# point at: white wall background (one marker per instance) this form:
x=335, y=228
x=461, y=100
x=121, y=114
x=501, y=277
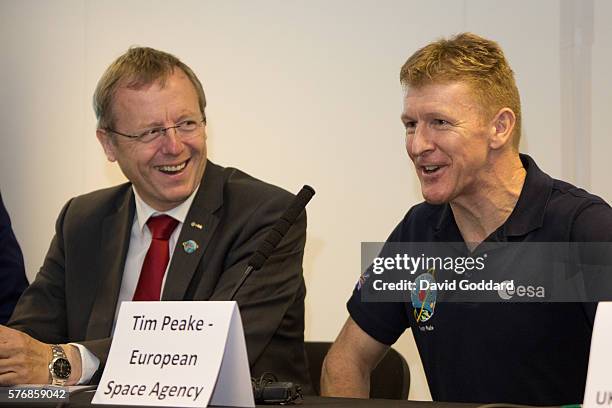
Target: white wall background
x=298, y=92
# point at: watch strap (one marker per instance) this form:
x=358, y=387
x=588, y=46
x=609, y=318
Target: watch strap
x=57, y=352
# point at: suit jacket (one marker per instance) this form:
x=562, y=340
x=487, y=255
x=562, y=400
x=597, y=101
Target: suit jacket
x=74, y=296
x=12, y=272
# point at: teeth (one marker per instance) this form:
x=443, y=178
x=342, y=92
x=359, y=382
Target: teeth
x=178, y=167
x=431, y=168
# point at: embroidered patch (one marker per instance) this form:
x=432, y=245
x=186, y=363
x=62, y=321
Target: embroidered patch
x=423, y=300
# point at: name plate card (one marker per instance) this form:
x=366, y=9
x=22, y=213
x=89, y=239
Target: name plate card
x=180, y=354
x=598, y=392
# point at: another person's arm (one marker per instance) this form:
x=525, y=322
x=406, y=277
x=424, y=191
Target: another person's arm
x=12, y=272
x=349, y=363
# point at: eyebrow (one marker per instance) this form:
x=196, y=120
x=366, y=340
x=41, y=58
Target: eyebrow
x=427, y=115
x=184, y=115
x=438, y=113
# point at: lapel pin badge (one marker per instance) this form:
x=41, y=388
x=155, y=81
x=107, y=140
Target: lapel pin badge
x=190, y=246
x=196, y=225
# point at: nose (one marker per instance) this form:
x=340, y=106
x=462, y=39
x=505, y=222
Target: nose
x=171, y=142
x=419, y=142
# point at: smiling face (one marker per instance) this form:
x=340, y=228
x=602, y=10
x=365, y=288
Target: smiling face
x=166, y=170
x=447, y=139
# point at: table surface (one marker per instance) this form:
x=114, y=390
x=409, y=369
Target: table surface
x=83, y=399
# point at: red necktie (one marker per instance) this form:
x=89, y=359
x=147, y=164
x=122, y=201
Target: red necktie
x=156, y=261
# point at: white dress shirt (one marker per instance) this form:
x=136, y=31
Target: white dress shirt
x=140, y=240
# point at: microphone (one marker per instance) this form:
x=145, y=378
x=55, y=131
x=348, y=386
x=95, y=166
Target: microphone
x=278, y=231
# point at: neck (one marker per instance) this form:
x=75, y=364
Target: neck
x=481, y=213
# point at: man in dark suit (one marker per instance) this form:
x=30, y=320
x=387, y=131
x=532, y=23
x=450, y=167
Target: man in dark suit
x=203, y=220
x=12, y=272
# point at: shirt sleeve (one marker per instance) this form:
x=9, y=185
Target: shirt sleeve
x=383, y=321
x=89, y=364
x=594, y=224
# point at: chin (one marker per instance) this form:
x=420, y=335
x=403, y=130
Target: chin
x=435, y=199
x=177, y=197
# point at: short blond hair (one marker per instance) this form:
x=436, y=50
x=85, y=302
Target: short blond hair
x=138, y=67
x=471, y=59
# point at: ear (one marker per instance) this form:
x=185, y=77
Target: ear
x=503, y=128
x=108, y=144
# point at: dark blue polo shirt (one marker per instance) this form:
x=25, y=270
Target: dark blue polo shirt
x=525, y=353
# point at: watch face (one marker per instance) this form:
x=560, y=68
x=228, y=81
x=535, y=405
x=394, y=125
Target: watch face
x=61, y=368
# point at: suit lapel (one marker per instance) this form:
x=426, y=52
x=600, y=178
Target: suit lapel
x=114, y=243
x=199, y=227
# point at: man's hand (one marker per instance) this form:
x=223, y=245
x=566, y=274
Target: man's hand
x=25, y=360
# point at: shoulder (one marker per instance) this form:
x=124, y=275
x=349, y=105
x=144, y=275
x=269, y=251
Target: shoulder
x=572, y=196
x=100, y=202
x=242, y=183
x=242, y=189
x=588, y=217
x=91, y=208
x=250, y=206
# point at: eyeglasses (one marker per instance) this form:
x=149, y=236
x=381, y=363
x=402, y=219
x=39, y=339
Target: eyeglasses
x=185, y=128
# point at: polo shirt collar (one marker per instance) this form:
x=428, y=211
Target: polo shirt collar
x=528, y=214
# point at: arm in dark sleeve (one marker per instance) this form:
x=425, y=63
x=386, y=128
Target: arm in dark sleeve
x=271, y=301
x=383, y=321
x=41, y=311
x=12, y=272
x=594, y=225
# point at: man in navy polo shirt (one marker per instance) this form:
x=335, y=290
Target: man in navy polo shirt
x=462, y=116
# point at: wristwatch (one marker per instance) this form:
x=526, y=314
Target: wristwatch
x=59, y=367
